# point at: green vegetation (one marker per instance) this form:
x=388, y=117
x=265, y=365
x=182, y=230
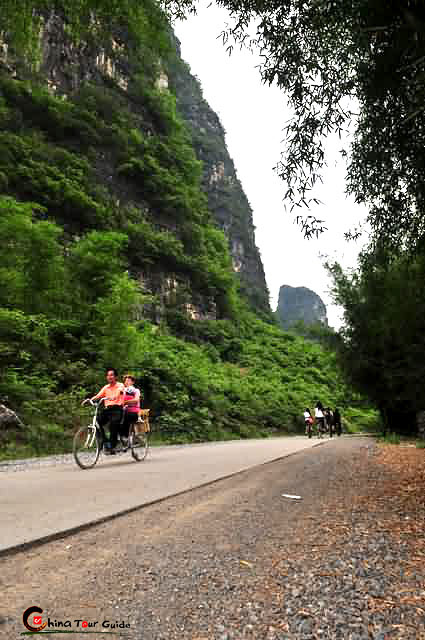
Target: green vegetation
x=252, y=383
x=93, y=21
x=101, y=191
x=361, y=419
x=64, y=316
x=357, y=66
x=326, y=57
x=391, y=438
x=383, y=339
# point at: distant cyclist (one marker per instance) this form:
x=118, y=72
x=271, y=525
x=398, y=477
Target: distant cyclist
x=131, y=404
x=308, y=421
x=329, y=420
x=320, y=418
x=113, y=397
x=337, y=422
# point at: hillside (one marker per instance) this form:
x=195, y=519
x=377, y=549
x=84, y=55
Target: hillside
x=111, y=253
x=226, y=198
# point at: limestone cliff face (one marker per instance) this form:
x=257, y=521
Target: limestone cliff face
x=66, y=68
x=299, y=304
x=226, y=198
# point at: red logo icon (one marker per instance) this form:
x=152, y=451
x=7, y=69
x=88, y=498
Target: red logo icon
x=37, y=619
x=85, y=623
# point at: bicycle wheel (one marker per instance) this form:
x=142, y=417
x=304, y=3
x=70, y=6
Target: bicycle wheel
x=139, y=444
x=87, y=446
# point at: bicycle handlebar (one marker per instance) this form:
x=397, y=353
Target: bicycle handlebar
x=93, y=404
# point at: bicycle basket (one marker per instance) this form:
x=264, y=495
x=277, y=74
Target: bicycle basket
x=142, y=425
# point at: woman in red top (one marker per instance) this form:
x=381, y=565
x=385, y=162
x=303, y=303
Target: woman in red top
x=131, y=404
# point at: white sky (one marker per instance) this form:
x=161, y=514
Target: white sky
x=253, y=116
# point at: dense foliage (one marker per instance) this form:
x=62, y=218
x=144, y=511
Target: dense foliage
x=64, y=316
x=100, y=192
x=384, y=334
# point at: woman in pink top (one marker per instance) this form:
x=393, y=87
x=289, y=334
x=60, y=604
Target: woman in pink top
x=131, y=404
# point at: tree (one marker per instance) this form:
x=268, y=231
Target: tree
x=94, y=262
x=340, y=62
x=383, y=340
x=31, y=259
x=113, y=322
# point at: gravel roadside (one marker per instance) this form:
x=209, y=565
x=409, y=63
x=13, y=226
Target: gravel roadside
x=40, y=462
x=27, y=464
x=237, y=560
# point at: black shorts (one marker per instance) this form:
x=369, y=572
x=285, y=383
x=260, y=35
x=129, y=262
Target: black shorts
x=111, y=416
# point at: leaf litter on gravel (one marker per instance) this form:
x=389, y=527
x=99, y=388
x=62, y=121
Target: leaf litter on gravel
x=359, y=573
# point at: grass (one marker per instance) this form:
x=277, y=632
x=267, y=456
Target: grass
x=390, y=438
x=396, y=439
x=49, y=439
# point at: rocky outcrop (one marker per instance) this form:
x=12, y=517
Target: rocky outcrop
x=65, y=66
x=9, y=420
x=226, y=198
x=299, y=304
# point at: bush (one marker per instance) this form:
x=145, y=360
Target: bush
x=391, y=438
x=361, y=419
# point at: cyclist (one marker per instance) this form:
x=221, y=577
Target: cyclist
x=337, y=422
x=320, y=419
x=308, y=420
x=113, y=397
x=131, y=404
x=329, y=421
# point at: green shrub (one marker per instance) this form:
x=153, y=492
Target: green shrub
x=360, y=419
x=391, y=438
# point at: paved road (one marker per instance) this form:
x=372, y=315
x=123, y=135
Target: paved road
x=48, y=500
